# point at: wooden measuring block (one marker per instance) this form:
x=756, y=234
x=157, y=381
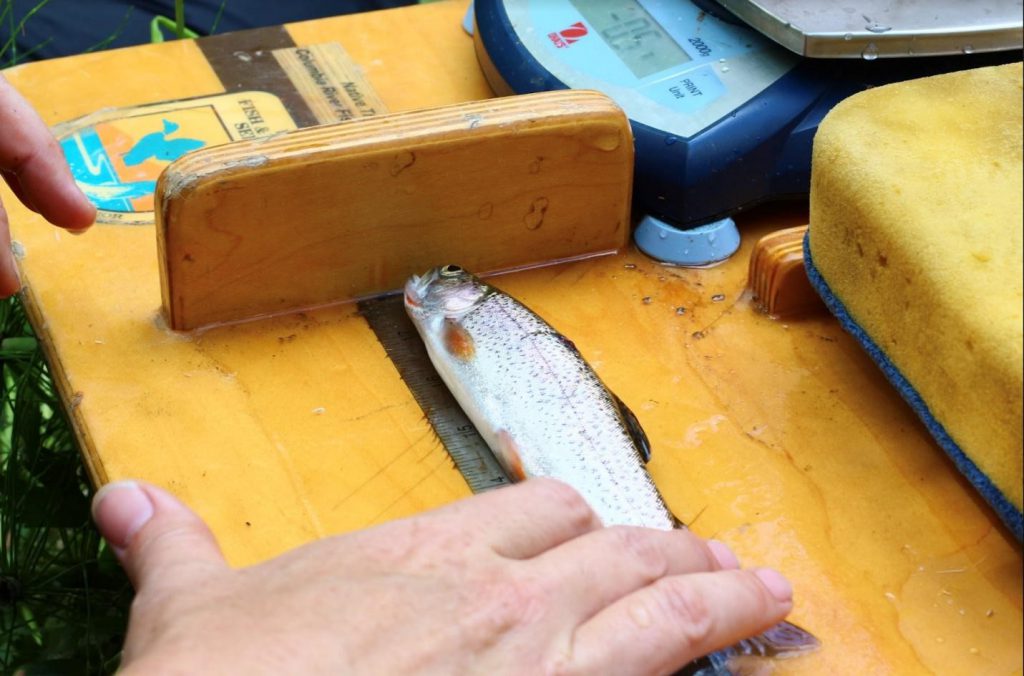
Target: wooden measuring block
x=339, y=212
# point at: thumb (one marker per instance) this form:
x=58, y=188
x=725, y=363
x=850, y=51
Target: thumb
x=155, y=536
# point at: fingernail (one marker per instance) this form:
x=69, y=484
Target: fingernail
x=120, y=509
x=726, y=559
x=779, y=586
x=80, y=231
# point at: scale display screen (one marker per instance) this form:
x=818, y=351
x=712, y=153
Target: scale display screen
x=670, y=65
x=633, y=34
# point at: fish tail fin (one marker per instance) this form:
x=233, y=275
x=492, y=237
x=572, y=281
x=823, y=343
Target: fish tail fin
x=753, y=656
x=782, y=641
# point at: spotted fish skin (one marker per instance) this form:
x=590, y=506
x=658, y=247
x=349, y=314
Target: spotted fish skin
x=534, y=399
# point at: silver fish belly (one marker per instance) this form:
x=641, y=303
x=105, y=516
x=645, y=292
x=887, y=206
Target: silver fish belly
x=533, y=398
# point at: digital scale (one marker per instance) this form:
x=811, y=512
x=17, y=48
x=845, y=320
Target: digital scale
x=723, y=117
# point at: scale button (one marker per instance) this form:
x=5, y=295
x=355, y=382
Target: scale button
x=687, y=92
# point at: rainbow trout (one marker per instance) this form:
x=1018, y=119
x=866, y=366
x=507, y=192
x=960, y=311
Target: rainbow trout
x=545, y=412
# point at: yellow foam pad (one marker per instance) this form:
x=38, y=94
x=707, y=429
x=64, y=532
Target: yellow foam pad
x=915, y=241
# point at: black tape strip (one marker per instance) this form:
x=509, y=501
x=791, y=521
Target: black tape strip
x=243, y=61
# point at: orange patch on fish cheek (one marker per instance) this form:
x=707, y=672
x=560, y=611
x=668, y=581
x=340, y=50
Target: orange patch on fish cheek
x=458, y=342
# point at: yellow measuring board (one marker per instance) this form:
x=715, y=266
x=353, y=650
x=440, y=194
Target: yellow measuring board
x=782, y=439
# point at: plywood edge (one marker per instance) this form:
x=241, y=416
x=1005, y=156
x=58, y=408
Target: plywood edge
x=68, y=396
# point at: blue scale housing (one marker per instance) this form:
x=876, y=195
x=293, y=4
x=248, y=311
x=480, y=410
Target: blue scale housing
x=697, y=164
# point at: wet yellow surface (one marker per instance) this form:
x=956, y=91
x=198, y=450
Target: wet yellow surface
x=782, y=439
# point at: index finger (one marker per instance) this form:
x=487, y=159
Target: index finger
x=527, y=519
x=32, y=161
x=661, y=627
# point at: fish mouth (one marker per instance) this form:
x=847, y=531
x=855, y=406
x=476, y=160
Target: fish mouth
x=416, y=288
x=414, y=292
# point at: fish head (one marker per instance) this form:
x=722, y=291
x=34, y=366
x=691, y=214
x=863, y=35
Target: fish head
x=447, y=292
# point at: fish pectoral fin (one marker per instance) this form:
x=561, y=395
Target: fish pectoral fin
x=635, y=431
x=509, y=456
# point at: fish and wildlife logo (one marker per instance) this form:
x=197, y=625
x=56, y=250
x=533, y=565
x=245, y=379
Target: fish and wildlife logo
x=117, y=155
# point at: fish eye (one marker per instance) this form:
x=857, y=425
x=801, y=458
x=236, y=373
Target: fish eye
x=450, y=270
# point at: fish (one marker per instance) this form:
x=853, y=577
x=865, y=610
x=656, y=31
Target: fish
x=544, y=412
x=509, y=371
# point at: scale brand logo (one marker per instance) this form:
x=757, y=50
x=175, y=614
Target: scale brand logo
x=567, y=36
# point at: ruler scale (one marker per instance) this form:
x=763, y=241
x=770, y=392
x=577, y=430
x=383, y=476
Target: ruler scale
x=471, y=454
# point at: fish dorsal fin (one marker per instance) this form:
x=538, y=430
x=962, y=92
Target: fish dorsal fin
x=635, y=431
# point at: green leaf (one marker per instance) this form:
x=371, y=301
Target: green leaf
x=18, y=346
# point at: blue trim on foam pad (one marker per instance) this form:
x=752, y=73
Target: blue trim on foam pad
x=1013, y=519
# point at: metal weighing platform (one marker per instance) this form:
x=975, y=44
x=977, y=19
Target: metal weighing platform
x=879, y=29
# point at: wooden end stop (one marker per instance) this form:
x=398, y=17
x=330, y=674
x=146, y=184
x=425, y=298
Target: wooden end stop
x=777, y=276
x=345, y=211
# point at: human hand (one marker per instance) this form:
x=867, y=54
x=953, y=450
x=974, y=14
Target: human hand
x=33, y=166
x=519, y=580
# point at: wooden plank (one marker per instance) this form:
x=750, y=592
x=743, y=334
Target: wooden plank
x=492, y=185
